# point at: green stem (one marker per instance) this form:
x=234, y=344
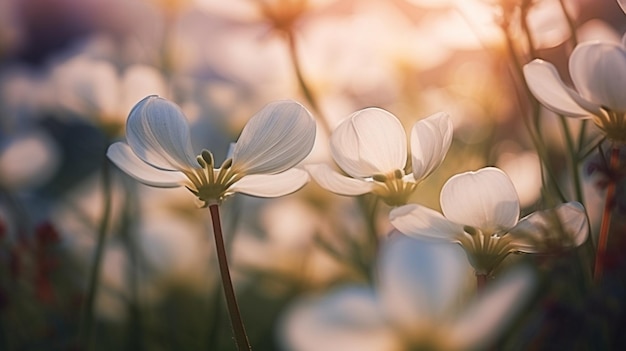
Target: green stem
x=534, y=133
x=239, y=331
x=572, y=154
x=368, y=206
x=135, y=323
x=308, y=93
x=94, y=275
x=605, y=225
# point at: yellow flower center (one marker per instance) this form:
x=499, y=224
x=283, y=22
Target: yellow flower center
x=211, y=185
x=612, y=123
x=392, y=188
x=485, y=250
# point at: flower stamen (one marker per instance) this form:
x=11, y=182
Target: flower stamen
x=392, y=188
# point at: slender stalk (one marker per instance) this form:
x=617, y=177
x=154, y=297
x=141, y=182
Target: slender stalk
x=308, y=93
x=573, y=158
x=239, y=331
x=94, y=275
x=534, y=131
x=606, y=215
x=481, y=282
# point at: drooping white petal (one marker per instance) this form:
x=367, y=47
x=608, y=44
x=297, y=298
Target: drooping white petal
x=566, y=223
x=124, y=158
x=546, y=85
x=430, y=141
x=598, y=71
x=419, y=282
x=485, y=199
x=492, y=312
x=157, y=131
x=371, y=141
x=275, y=139
x=272, y=185
x=344, y=319
x=422, y=222
x=331, y=180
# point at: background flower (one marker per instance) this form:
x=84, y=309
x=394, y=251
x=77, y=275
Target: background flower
x=598, y=71
x=370, y=147
x=415, y=305
x=481, y=212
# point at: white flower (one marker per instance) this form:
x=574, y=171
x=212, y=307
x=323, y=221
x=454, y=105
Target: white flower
x=414, y=307
x=598, y=71
x=370, y=146
x=94, y=88
x=159, y=152
x=481, y=213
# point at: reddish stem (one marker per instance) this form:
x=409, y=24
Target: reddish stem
x=239, y=331
x=481, y=282
x=606, y=215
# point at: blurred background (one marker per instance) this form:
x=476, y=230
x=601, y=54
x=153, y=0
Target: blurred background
x=70, y=71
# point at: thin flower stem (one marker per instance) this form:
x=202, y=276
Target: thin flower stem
x=94, y=275
x=574, y=163
x=606, y=215
x=534, y=131
x=308, y=93
x=239, y=331
x=481, y=282
x=368, y=207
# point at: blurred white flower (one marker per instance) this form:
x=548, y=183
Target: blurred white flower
x=159, y=152
x=94, y=88
x=481, y=214
x=27, y=160
x=415, y=305
x=598, y=71
x=370, y=146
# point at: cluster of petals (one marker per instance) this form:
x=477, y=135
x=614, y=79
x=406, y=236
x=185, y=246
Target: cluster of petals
x=413, y=306
x=598, y=72
x=370, y=147
x=158, y=152
x=481, y=213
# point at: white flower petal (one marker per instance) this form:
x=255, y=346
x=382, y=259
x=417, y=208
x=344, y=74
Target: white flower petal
x=485, y=199
x=567, y=221
x=419, y=281
x=430, y=141
x=158, y=133
x=421, y=222
x=344, y=319
x=331, y=180
x=546, y=85
x=275, y=139
x=272, y=185
x=124, y=158
x=598, y=71
x=494, y=309
x=371, y=141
